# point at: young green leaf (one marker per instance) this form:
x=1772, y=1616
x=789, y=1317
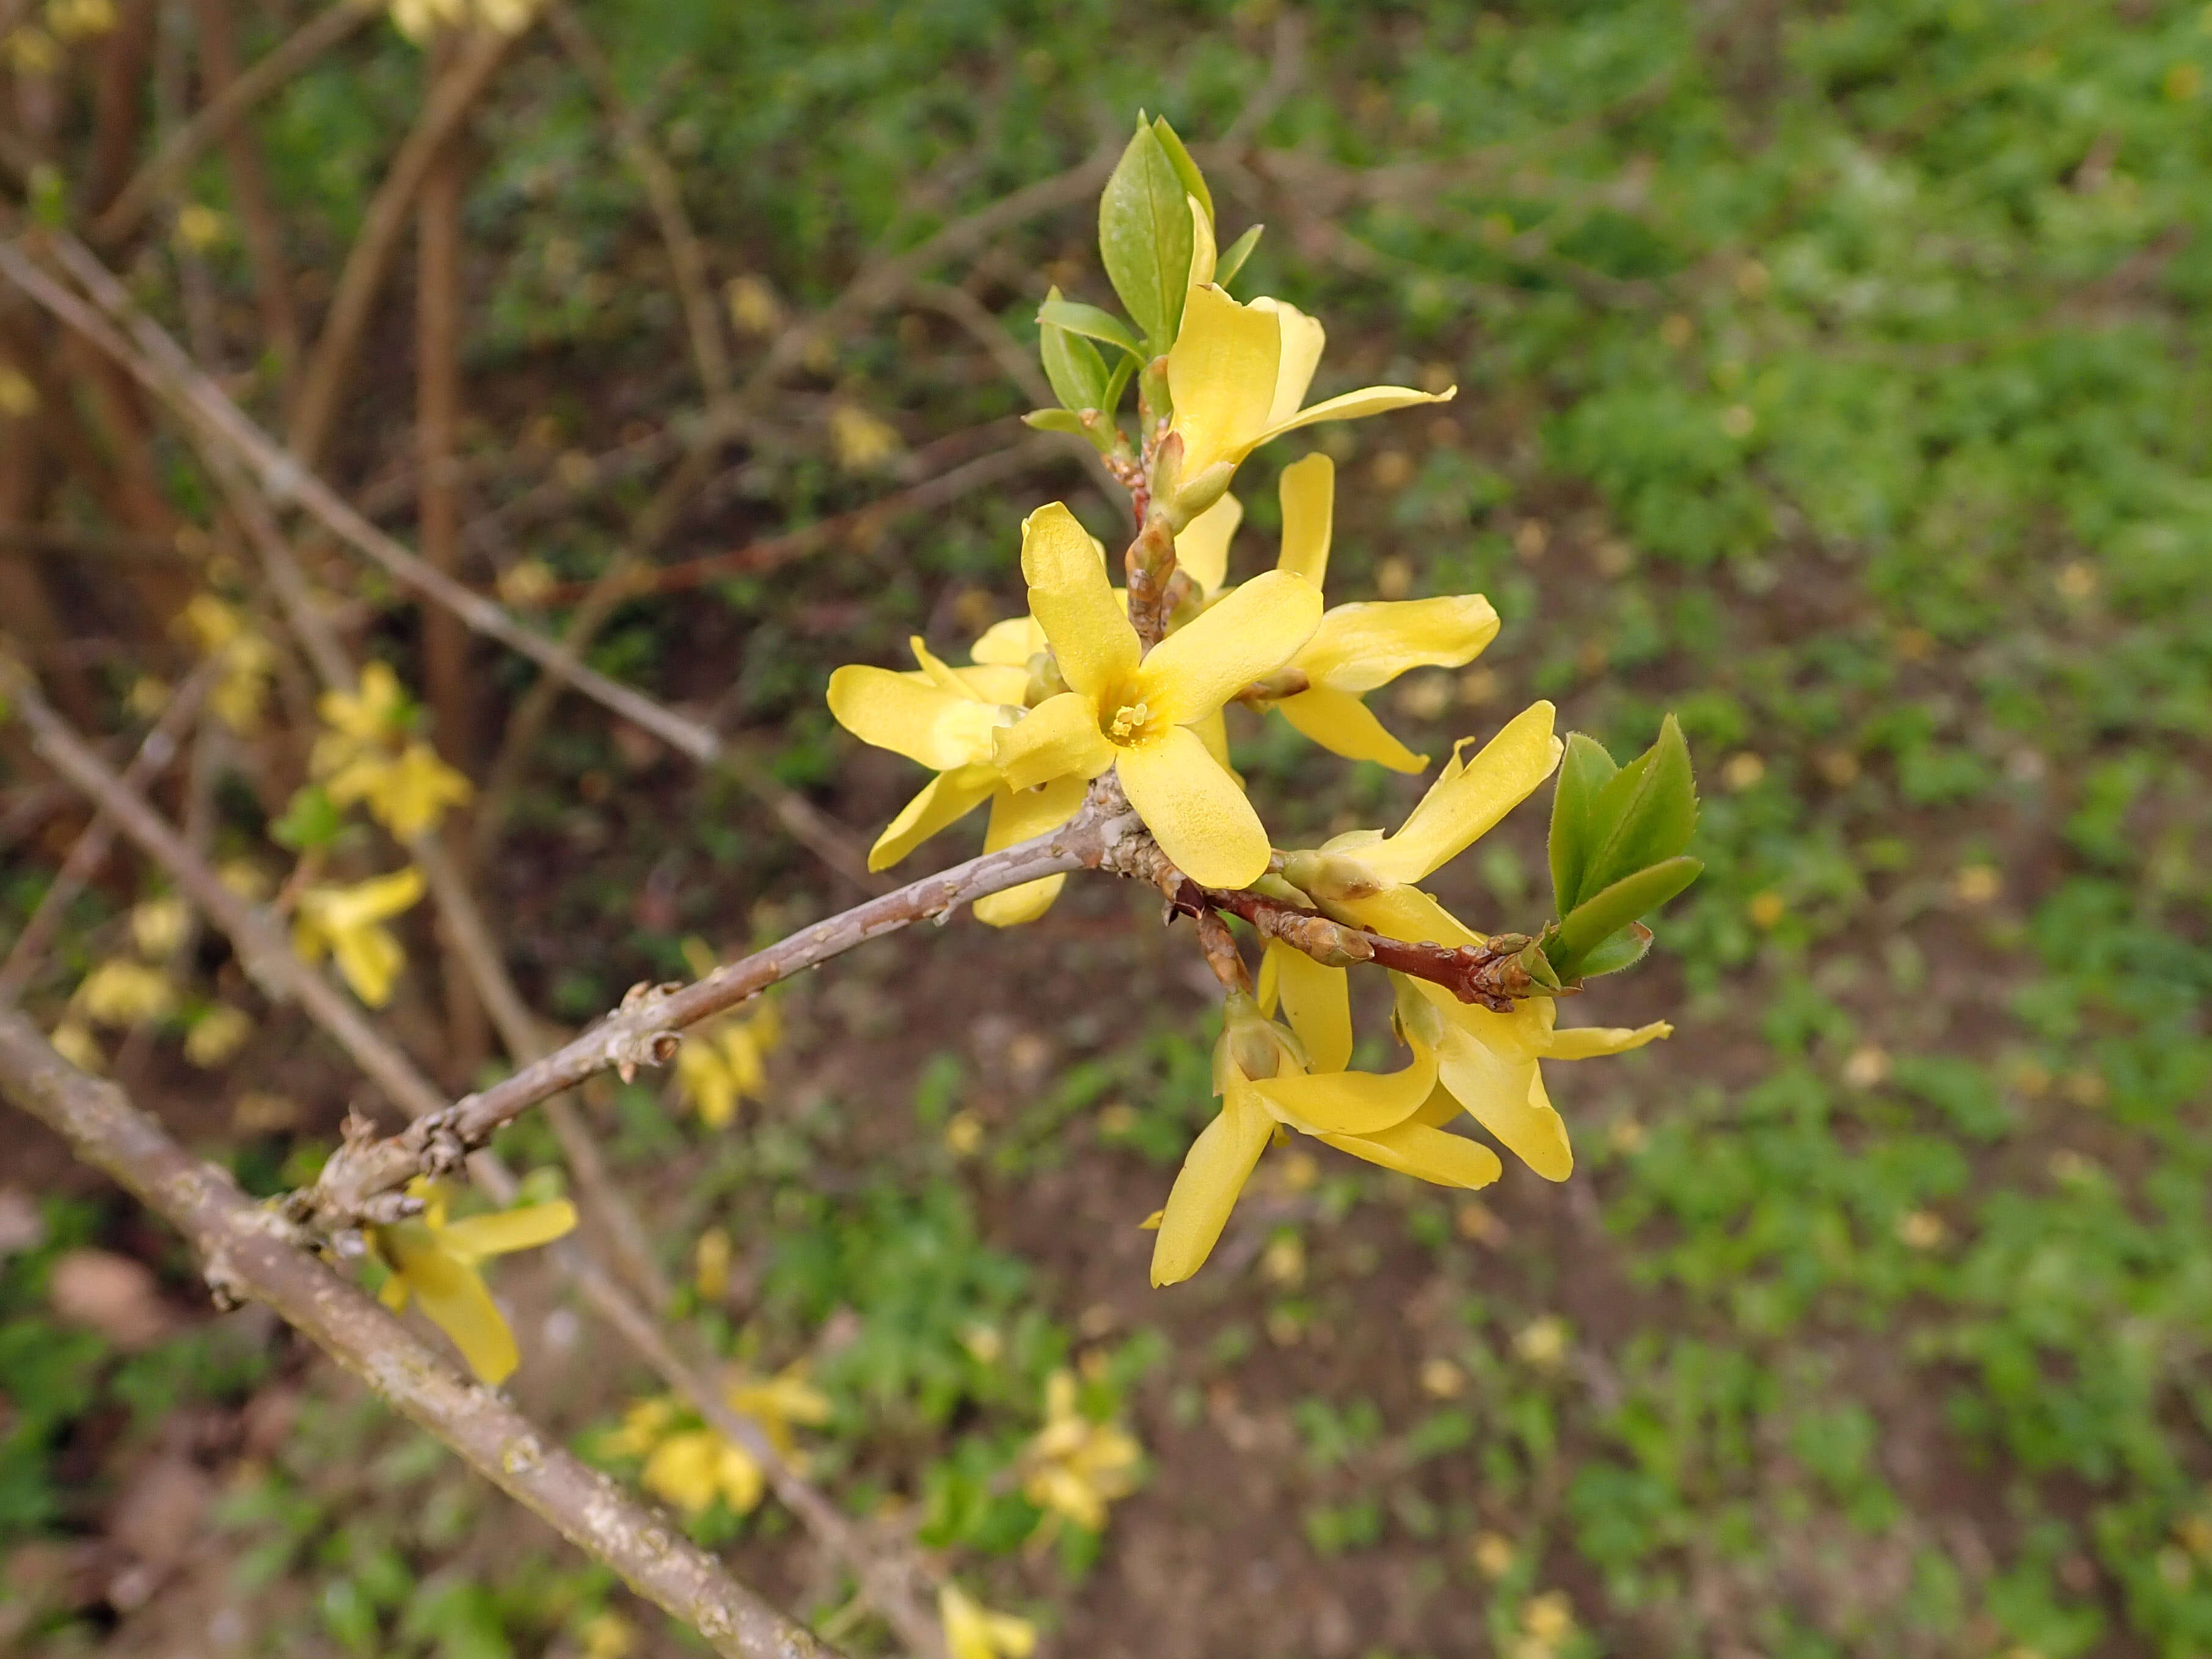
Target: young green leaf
x=1052, y=420
x=1583, y=770
x=1623, y=950
x=1088, y=321
x=311, y=820
x=1072, y=363
x=1646, y=814
x=1144, y=237
x=1193, y=181
x=1596, y=919
x=1234, y=256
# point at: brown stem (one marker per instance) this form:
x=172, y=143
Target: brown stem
x=153, y=182
x=322, y=388
x=247, y=1253
x=119, y=99
x=249, y=187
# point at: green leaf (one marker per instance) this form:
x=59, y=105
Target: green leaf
x=1595, y=919
x=1623, y=950
x=1072, y=363
x=1144, y=237
x=1123, y=367
x=1193, y=181
x=1090, y=320
x=1646, y=814
x=1054, y=419
x=1585, y=769
x=1232, y=258
x=311, y=821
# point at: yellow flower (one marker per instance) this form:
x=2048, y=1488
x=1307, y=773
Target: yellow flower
x=1356, y=647
x=418, y=20
x=691, y=1466
x=348, y=922
x=945, y=717
x=120, y=992
x=78, y=19
x=1236, y=376
x=435, y=1261
x=200, y=226
x=718, y=1068
x=862, y=441
x=607, y=1635
x=1135, y=712
x=359, y=721
x=217, y=1034
x=75, y=1044
x=248, y=660
x=407, y=795
x=157, y=926
x=1077, y=1467
x=1486, y=1061
x=972, y=1630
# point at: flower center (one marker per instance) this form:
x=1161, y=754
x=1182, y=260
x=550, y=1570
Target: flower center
x=1127, y=722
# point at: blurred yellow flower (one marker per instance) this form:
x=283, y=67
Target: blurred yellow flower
x=1137, y=713
x=75, y=1044
x=862, y=441
x=719, y=1067
x=347, y=923
x=18, y=396
x=80, y=20
x=691, y=1466
x=972, y=1630
x=1074, y=1465
x=120, y=992
x=364, y=753
x=200, y=226
x=217, y=1035
x=607, y=1635
x=158, y=925
x=418, y=20
x=435, y=1262
x=247, y=658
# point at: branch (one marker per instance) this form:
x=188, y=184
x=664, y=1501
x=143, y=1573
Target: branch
x=643, y=1031
x=191, y=140
x=248, y=1253
x=1490, y=974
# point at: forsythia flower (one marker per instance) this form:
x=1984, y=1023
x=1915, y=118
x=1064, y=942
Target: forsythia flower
x=435, y=1261
x=945, y=719
x=1356, y=648
x=1077, y=1467
x=1134, y=712
x=1486, y=1061
x=972, y=1630
x=217, y=1034
x=157, y=926
x=1237, y=374
x=716, y=1069
x=120, y=992
x=418, y=20
x=75, y=1044
x=407, y=791
x=348, y=922
x=861, y=440
x=691, y=1466
x=247, y=659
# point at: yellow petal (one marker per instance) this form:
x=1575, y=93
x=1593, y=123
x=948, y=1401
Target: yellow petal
x=1073, y=601
x=1353, y=405
x=1202, y=254
x=1467, y=799
x=994, y=683
x=1308, y=493
x=369, y=960
x=1411, y=915
x=1219, y=1162
x=1427, y=1153
x=738, y=1479
x=1015, y=816
x=1352, y=1102
x=937, y=671
x=473, y=1238
x=1202, y=549
x=1213, y=731
x=1010, y=644
x=940, y=728
x=1316, y=999
x=1507, y=1097
x=1194, y=809
x=1594, y=1042
x=944, y=800
x=685, y=1469
x=1303, y=338
x=1344, y=725
x=453, y=1295
x=1356, y=647
x=1253, y=631
x=703, y=1076
x=1221, y=377
x=1060, y=737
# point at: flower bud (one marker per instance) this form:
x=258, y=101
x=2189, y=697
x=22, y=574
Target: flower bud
x=1332, y=878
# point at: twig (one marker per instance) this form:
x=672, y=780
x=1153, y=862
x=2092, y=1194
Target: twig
x=644, y=1029
x=323, y=385
x=248, y=1253
x=687, y=261
x=191, y=141
x=91, y=851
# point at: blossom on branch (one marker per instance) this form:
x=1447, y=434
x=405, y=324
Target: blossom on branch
x=435, y=1262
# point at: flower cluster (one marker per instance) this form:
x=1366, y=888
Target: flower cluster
x=1133, y=681
x=691, y=1466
